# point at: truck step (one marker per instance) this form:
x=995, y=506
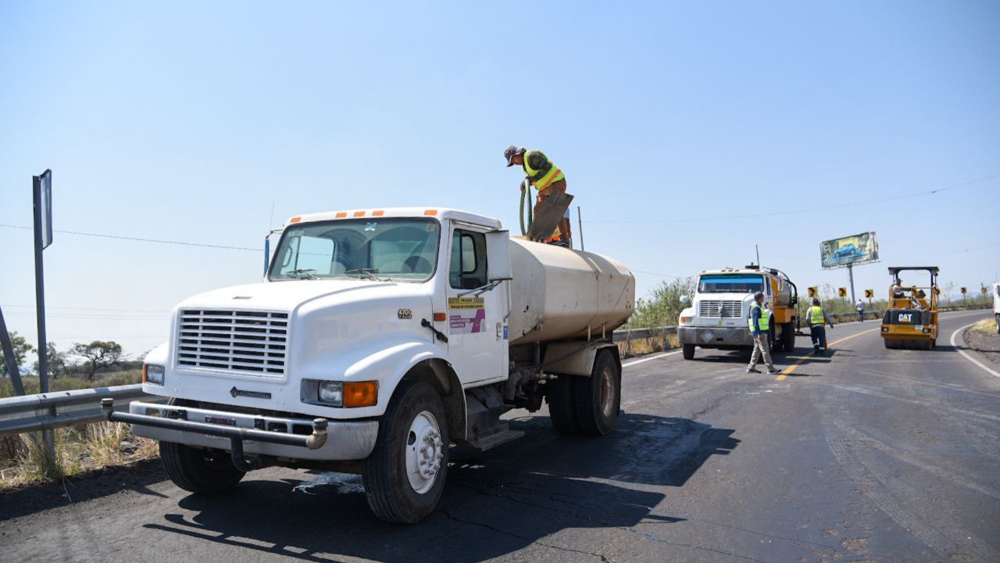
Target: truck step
x=501, y=436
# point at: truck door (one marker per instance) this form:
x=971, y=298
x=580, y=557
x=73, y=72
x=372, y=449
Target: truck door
x=476, y=334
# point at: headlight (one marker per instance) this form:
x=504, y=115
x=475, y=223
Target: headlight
x=331, y=392
x=152, y=374
x=686, y=319
x=349, y=394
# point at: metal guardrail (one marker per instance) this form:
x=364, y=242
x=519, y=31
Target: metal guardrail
x=32, y=413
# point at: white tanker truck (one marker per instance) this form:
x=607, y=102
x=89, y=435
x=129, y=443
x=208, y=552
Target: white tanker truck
x=377, y=339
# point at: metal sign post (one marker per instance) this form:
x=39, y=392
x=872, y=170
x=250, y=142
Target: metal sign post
x=42, y=198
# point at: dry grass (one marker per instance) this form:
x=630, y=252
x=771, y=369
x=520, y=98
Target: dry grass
x=985, y=326
x=78, y=449
x=641, y=346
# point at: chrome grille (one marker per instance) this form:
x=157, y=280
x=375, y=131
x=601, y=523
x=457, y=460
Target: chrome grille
x=725, y=309
x=252, y=342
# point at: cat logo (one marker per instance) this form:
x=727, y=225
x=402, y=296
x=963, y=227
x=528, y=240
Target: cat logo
x=404, y=314
x=906, y=317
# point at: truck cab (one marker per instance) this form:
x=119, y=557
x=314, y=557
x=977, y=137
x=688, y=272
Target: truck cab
x=376, y=340
x=720, y=308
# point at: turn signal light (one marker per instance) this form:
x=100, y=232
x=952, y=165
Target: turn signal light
x=440, y=317
x=361, y=394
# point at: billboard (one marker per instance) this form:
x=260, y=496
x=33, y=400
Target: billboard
x=855, y=249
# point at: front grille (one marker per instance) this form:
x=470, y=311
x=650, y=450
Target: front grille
x=730, y=309
x=252, y=342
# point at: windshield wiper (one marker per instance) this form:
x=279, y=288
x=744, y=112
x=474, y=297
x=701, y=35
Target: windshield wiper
x=303, y=274
x=367, y=272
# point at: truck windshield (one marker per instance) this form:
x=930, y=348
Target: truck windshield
x=397, y=249
x=730, y=283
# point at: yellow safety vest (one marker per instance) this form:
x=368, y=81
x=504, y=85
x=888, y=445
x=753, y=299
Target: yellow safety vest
x=553, y=175
x=816, y=315
x=765, y=321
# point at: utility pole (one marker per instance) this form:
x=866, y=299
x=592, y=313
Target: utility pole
x=579, y=221
x=757, y=248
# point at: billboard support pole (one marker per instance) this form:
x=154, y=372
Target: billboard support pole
x=850, y=277
x=11, y=361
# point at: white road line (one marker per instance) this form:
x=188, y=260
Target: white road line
x=967, y=356
x=648, y=358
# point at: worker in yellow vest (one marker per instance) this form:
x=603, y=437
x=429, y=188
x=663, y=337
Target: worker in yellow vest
x=548, y=179
x=817, y=318
x=760, y=325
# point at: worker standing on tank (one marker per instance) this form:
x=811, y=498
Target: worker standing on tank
x=760, y=325
x=548, y=179
x=817, y=318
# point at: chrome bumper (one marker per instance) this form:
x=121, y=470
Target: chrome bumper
x=260, y=435
x=715, y=336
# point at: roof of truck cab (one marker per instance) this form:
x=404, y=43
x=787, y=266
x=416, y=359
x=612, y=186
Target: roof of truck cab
x=765, y=271
x=440, y=213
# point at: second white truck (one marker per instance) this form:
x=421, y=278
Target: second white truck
x=377, y=339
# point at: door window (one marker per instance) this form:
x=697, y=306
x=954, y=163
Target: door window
x=468, y=260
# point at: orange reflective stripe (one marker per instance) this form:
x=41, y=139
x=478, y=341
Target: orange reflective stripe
x=554, y=175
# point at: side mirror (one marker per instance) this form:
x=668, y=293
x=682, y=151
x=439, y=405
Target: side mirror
x=498, y=255
x=685, y=299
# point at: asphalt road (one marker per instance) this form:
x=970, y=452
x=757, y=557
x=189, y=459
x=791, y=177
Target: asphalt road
x=867, y=455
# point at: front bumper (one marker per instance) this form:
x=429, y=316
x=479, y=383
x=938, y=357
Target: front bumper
x=277, y=436
x=709, y=337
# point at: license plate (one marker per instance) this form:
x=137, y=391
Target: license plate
x=222, y=421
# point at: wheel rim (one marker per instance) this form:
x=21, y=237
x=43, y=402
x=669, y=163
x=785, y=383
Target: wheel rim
x=608, y=392
x=424, y=452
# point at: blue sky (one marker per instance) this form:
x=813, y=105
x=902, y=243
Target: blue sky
x=188, y=120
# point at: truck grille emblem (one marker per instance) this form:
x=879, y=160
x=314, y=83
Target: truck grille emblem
x=250, y=394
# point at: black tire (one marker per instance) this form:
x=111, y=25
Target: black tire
x=770, y=336
x=199, y=470
x=687, y=350
x=387, y=487
x=788, y=337
x=599, y=397
x=890, y=344
x=998, y=323
x=562, y=410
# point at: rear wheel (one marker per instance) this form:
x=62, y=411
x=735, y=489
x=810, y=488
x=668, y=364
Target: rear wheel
x=404, y=477
x=598, y=397
x=199, y=470
x=687, y=350
x=788, y=337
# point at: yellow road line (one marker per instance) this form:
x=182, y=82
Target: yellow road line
x=792, y=367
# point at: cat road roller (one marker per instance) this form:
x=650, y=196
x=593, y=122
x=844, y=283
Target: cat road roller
x=911, y=322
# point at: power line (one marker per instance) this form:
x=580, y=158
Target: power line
x=795, y=211
x=140, y=239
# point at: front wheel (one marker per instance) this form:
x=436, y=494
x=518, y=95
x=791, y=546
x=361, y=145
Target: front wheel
x=598, y=397
x=788, y=337
x=199, y=470
x=687, y=350
x=404, y=477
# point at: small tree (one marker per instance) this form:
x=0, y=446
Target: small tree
x=57, y=361
x=98, y=355
x=21, y=350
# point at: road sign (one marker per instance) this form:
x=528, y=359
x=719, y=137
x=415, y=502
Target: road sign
x=965, y=290
x=814, y=291
x=983, y=290
x=842, y=292
x=43, y=184
x=869, y=293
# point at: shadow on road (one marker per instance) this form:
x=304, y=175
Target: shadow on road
x=517, y=495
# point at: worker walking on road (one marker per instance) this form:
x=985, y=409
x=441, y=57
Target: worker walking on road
x=861, y=310
x=817, y=318
x=760, y=325
x=548, y=179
